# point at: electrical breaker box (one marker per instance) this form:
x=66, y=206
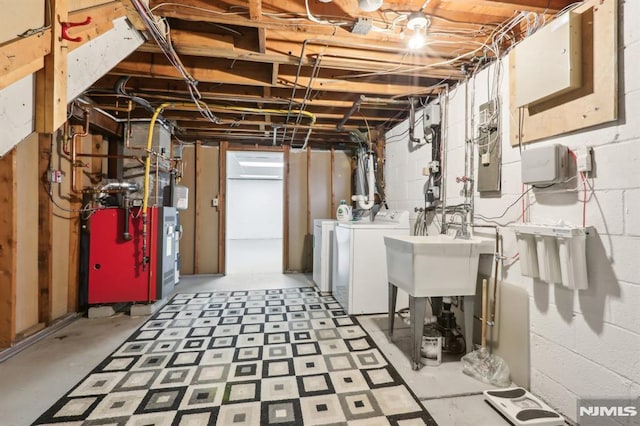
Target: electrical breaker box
x=545, y=165
x=549, y=62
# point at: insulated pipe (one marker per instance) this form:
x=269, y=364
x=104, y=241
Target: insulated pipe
x=354, y=108
x=371, y=186
x=120, y=187
x=412, y=122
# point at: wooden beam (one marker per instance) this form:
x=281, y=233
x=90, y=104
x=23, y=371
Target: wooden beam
x=534, y=5
x=75, y=204
x=23, y=56
x=222, y=207
x=255, y=14
x=285, y=213
x=102, y=17
x=245, y=73
x=8, y=247
x=45, y=233
x=51, y=82
x=197, y=222
x=133, y=15
x=285, y=48
x=202, y=69
x=84, y=4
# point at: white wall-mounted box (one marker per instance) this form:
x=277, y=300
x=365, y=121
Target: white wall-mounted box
x=549, y=62
x=545, y=165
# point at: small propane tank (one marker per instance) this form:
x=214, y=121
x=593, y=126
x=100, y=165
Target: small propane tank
x=343, y=214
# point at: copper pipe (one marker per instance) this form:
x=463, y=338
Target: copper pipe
x=74, y=160
x=128, y=108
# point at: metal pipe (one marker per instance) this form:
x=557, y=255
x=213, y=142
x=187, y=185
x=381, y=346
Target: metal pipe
x=412, y=122
x=121, y=186
x=354, y=108
x=444, y=136
x=384, y=101
x=74, y=140
x=126, y=235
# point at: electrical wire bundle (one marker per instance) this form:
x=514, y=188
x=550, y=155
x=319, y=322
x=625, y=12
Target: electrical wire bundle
x=164, y=42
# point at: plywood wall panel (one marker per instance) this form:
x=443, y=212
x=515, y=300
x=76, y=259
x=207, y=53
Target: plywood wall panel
x=299, y=250
x=342, y=177
x=208, y=187
x=18, y=17
x=61, y=228
x=27, y=230
x=187, y=217
x=320, y=182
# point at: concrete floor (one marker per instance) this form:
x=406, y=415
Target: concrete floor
x=32, y=380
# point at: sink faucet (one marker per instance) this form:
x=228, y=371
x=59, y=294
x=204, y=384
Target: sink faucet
x=463, y=233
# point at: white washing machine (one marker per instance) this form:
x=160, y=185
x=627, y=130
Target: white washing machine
x=323, y=230
x=360, y=277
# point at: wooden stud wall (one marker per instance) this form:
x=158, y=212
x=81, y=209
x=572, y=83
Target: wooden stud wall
x=199, y=248
x=8, y=247
x=27, y=235
x=316, y=182
x=207, y=234
x=297, y=206
x=187, y=217
x=45, y=232
x=222, y=201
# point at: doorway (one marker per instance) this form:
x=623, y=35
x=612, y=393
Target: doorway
x=254, y=212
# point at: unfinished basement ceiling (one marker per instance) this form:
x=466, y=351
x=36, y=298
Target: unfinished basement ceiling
x=305, y=70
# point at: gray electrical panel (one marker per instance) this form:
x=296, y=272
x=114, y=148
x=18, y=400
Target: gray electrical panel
x=489, y=148
x=167, y=246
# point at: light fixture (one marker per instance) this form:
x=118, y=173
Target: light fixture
x=417, y=40
x=260, y=164
x=417, y=20
x=369, y=5
x=250, y=176
x=418, y=23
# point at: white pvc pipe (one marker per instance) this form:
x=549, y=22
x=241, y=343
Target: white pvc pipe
x=370, y=197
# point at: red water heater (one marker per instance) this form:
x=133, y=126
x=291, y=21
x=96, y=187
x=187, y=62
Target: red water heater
x=118, y=270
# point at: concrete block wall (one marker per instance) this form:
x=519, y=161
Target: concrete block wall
x=583, y=343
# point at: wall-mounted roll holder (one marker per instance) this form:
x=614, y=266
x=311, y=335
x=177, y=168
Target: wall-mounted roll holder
x=553, y=253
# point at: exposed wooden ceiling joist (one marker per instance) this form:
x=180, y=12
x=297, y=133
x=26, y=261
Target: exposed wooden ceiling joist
x=261, y=56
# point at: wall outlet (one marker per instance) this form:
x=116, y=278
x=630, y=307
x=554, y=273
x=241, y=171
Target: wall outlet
x=55, y=176
x=583, y=159
x=214, y=202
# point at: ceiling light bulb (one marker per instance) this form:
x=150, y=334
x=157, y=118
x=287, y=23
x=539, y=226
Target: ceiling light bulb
x=369, y=5
x=417, y=41
x=417, y=20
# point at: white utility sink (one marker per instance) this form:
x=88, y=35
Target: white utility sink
x=435, y=265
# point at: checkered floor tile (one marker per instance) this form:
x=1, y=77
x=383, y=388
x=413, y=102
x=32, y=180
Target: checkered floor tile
x=264, y=357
